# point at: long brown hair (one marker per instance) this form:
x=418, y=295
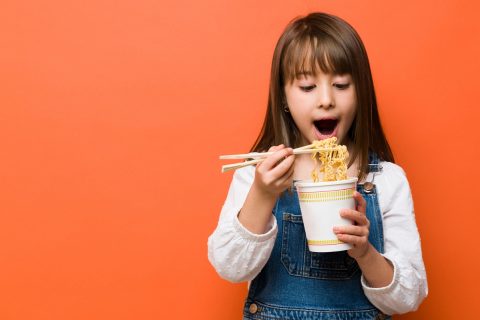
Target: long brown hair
x=324, y=41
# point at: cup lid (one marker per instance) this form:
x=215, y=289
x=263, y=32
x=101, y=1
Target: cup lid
x=310, y=183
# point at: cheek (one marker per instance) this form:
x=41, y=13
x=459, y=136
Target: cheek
x=350, y=116
x=297, y=117
x=298, y=108
x=349, y=106
x=294, y=100
x=352, y=109
x=349, y=120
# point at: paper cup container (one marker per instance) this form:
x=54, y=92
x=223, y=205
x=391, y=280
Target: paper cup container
x=320, y=203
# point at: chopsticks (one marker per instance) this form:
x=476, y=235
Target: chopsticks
x=260, y=156
x=235, y=166
x=266, y=154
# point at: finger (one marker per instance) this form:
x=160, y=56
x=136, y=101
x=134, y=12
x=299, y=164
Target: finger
x=273, y=148
x=354, y=240
x=282, y=168
x=358, y=217
x=361, y=203
x=290, y=172
x=351, y=230
x=287, y=177
x=265, y=165
x=273, y=159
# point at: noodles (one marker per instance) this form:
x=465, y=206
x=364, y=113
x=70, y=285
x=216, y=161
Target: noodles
x=332, y=162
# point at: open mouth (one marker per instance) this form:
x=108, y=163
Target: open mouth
x=326, y=126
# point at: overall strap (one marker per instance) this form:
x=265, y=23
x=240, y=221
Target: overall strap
x=374, y=214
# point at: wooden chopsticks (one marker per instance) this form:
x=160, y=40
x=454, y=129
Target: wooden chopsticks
x=260, y=156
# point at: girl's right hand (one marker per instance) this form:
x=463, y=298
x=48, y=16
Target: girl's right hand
x=275, y=174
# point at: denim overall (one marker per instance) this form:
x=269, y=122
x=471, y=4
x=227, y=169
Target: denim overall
x=299, y=284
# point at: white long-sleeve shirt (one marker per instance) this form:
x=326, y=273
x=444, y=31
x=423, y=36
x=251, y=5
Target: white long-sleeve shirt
x=239, y=255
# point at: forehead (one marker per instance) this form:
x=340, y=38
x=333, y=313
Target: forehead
x=310, y=54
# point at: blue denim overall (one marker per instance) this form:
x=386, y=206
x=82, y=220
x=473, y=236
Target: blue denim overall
x=299, y=284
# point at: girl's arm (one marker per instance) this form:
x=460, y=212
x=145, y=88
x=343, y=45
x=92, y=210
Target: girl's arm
x=242, y=242
x=402, y=261
x=376, y=270
x=272, y=177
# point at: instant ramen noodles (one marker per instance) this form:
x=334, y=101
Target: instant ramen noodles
x=332, y=163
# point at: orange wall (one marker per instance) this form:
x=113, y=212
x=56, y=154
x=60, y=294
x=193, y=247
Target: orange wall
x=113, y=114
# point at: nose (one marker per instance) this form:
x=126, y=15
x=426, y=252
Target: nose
x=325, y=96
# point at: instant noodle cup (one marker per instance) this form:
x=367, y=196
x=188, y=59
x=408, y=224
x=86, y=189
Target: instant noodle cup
x=320, y=204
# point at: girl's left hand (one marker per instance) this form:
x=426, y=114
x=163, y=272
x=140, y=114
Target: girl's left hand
x=356, y=234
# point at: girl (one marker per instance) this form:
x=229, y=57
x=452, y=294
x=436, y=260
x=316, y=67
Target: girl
x=321, y=86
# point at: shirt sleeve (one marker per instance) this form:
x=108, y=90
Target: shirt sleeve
x=236, y=253
x=402, y=246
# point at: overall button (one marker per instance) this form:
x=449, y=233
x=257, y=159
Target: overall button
x=253, y=308
x=368, y=187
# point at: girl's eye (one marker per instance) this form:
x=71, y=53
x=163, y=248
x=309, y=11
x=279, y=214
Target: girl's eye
x=307, y=88
x=341, y=86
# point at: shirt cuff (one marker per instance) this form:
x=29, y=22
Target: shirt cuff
x=382, y=290
x=248, y=235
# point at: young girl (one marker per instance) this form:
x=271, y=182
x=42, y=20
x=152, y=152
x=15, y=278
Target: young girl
x=321, y=86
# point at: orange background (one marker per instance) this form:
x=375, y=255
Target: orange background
x=113, y=114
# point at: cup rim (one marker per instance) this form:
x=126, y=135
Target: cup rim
x=310, y=183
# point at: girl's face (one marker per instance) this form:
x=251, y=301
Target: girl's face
x=322, y=106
